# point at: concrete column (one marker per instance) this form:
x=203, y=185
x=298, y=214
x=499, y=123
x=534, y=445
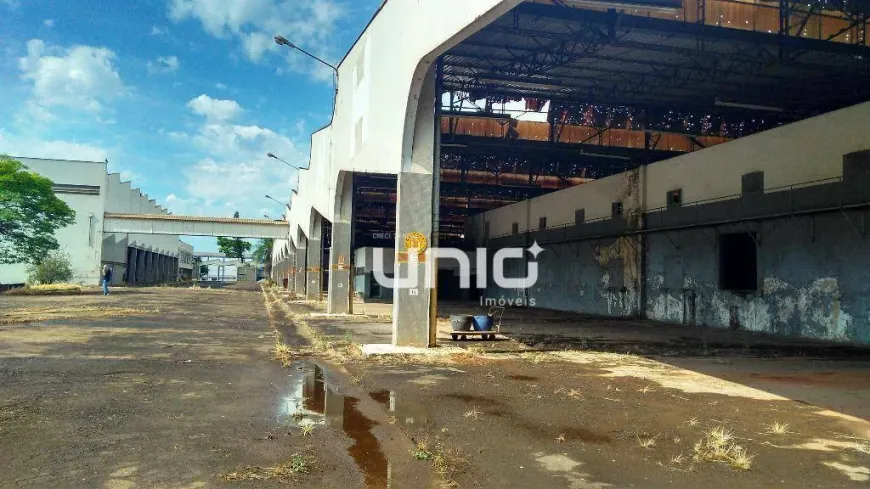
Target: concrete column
x=339, y=287
x=140, y=267
x=290, y=267
x=161, y=268
x=301, y=255
x=315, y=253
x=149, y=268
x=132, y=261
x=413, y=320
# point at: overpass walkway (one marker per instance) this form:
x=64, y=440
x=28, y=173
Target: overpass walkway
x=194, y=226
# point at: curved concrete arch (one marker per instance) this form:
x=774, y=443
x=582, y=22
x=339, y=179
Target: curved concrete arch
x=368, y=113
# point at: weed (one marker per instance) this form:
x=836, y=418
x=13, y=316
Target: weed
x=778, y=428
x=391, y=419
x=647, y=389
x=307, y=429
x=718, y=446
x=473, y=414
x=693, y=422
x=284, y=472
x=297, y=465
x=298, y=416
x=560, y=438
x=647, y=443
x=419, y=454
x=677, y=459
x=357, y=379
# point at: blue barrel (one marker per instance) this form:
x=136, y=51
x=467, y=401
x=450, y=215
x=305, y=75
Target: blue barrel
x=482, y=323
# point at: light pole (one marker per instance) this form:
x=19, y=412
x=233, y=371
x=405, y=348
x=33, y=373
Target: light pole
x=278, y=201
x=291, y=165
x=282, y=41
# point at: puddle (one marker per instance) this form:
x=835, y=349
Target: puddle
x=311, y=400
x=405, y=411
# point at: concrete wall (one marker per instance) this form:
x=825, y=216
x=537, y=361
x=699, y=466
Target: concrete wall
x=82, y=240
x=809, y=265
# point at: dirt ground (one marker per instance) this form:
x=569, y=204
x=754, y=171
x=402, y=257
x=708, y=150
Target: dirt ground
x=174, y=388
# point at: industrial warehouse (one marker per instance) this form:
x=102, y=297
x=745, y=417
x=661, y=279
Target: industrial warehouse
x=587, y=244
x=702, y=163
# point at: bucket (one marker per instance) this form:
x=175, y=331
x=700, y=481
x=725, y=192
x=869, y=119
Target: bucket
x=460, y=322
x=482, y=323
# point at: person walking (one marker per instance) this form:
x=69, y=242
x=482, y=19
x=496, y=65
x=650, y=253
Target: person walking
x=107, y=278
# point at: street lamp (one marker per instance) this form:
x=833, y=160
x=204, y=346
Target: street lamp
x=291, y=165
x=278, y=201
x=281, y=41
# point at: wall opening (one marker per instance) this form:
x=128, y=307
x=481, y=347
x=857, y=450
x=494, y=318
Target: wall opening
x=579, y=216
x=515, y=228
x=542, y=223
x=738, y=262
x=675, y=198
x=616, y=209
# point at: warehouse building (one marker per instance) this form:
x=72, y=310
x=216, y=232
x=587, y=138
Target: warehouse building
x=701, y=163
x=137, y=259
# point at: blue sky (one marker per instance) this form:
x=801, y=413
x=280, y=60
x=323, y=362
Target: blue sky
x=184, y=97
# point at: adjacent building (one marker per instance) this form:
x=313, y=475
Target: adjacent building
x=137, y=259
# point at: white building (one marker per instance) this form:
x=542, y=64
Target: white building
x=138, y=259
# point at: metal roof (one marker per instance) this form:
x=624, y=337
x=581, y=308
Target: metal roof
x=620, y=58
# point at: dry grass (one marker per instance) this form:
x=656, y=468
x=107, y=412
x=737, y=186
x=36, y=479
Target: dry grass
x=36, y=314
x=647, y=442
x=777, y=428
x=474, y=413
x=307, y=429
x=560, y=438
x=283, y=353
x=285, y=472
x=693, y=422
x=48, y=289
x=718, y=446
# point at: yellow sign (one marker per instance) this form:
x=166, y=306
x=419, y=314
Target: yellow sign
x=415, y=242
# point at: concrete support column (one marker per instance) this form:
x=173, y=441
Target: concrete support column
x=301, y=258
x=150, y=269
x=339, y=287
x=290, y=267
x=413, y=307
x=140, y=266
x=132, y=260
x=315, y=253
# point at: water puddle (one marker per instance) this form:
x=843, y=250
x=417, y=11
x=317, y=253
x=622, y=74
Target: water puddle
x=405, y=411
x=311, y=400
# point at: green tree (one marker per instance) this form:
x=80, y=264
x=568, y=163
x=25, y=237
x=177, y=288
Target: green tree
x=234, y=247
x=53, y=268
x=30, y=214
x=263, y=251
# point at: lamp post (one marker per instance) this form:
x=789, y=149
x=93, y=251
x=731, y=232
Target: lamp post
x=291, y=165
x=282, y=41
x=278, y=201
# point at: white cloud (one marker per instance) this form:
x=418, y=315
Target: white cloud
x=12, y=4
x=220, y=86
x=79, y=77
x=234, y=168
x=158, y=31
x=163, y=65
x=214, y=109
x=253, y=23
x=48, y=23
x=55, y=149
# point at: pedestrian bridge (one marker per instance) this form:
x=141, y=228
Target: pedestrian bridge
x=193, y=226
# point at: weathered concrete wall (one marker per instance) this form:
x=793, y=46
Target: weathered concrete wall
x=809, y=213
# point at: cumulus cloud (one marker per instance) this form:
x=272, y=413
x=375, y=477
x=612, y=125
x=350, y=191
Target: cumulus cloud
x=233, y=166
x=312, y=24
x=163, y=65
x=55, y=149
x=48, y=23
x=215, y=109
x=79, y=77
